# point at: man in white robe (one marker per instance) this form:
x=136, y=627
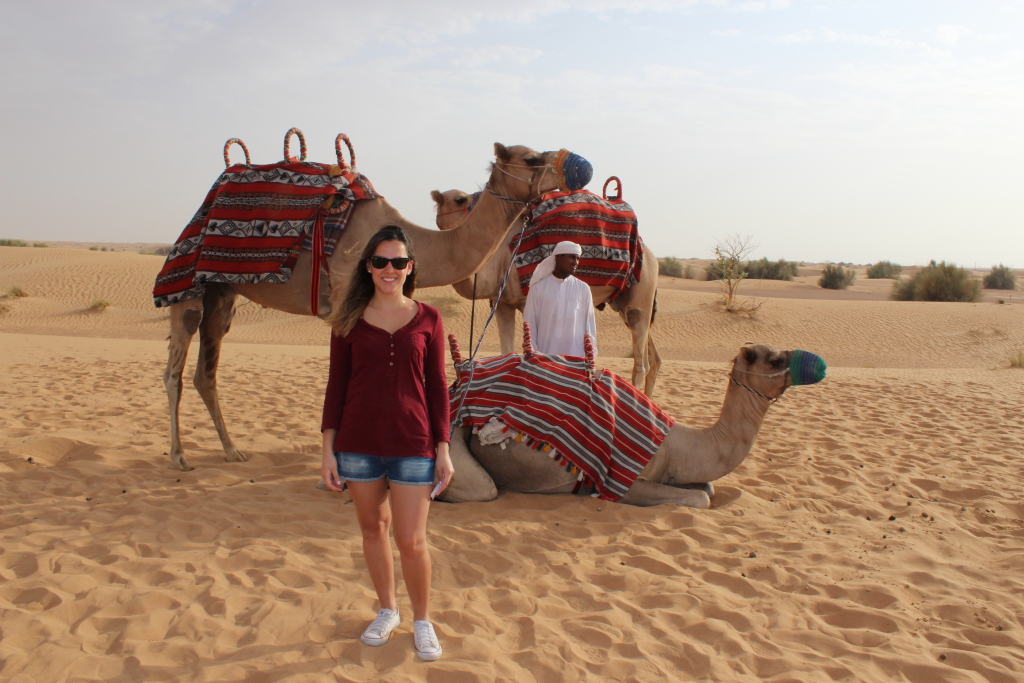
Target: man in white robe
x=559, y=307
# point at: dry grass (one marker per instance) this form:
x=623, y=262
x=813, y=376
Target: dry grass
x=4, y=308
x=1017, y=358
x=99, y=305
x=16, y=292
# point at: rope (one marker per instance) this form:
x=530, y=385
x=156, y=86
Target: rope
x=472, y=312
x=473, y=350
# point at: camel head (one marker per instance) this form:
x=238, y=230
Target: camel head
x=523, y=174
x=453, y=206
x=768, y=372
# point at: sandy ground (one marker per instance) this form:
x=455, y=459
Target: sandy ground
x=875, y=532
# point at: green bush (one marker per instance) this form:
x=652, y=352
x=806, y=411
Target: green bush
x=771, y=270
x=94, y=248
x=938, y=282
x=40, y=244
x=834, y=276
x=884, y=270
x=670, y=267
x=13, y=243
x=713, y=270
x=1001, y=277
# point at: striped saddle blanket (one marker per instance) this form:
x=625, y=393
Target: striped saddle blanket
x=600, y=428
x=253, y=224
x=605, y=229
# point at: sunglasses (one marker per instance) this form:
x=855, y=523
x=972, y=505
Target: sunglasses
x=380, y=262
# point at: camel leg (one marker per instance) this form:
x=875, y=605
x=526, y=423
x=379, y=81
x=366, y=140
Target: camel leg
x=185, y=319
x=638, y=325
x=471, y=483
x=647, y=493
x=218, y=309
x=653, y=365
x=506, y=316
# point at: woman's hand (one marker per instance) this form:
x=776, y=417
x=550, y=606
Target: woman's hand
x=328, y=463
x=443, y=468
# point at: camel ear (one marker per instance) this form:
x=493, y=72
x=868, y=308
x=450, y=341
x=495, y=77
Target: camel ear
x=501, y=153
x=437, y=197
x=749, y=354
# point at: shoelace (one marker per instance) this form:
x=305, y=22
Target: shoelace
x=380, y=623
x=426, y=639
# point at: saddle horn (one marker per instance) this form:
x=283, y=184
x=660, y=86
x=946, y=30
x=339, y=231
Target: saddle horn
x=527, y=340
x=453, y=344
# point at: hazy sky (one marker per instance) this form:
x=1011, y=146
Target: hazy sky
x=828, y=130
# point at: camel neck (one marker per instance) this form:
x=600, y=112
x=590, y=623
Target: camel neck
x=728, y=442
x=479, y=237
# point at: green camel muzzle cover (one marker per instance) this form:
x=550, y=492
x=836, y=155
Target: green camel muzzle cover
x=806, y=368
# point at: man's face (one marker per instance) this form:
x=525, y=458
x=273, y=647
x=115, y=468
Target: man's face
x=565, y=265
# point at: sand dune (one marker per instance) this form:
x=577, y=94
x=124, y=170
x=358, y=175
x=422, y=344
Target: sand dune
x=114, y=567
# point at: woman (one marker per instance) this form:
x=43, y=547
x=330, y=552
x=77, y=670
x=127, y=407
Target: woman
x=385, y=425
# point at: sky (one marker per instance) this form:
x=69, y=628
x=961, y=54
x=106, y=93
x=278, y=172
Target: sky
x=827, y=130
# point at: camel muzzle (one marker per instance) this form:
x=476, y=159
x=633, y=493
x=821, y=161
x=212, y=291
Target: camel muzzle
x=806, y=368
x=572, y=171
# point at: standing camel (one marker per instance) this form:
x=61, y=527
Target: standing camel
x=636, y=306
x=518, y=175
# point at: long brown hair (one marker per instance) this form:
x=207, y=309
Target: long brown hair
x=360, y=288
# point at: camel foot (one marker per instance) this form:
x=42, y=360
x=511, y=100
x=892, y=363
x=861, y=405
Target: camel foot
x=179, y=462
x=706, y=488
x=234, y=455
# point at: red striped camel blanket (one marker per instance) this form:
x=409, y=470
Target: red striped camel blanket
x=605, y=229
x=253, y=224
x=602, y=429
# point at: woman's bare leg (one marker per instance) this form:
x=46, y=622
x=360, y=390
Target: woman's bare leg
x=374, y=514
x=410, y=504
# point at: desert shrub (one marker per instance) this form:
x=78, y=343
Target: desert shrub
x=835, y=276
x=99, y=305
x=1001, y=277
x=1017, y=358
x=671, y=267
x=13, y=243
x=884, y=270
x=771, y=270
x=689, y=272
x=40, y=244
x=713, y=271
x=938, y=282
x=4, y=308
x=16, y=292
x=94, y=248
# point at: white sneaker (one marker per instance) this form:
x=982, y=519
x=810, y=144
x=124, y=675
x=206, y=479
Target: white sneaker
x=379, y=630
x=427, y=646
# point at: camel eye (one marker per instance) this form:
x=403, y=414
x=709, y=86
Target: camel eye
x=533, y=161
x=461, y=200
x=777, y=362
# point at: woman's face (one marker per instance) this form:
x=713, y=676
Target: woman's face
x=388, y=280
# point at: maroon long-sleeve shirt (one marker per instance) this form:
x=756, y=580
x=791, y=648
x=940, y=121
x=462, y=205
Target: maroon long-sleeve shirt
x=387, y=394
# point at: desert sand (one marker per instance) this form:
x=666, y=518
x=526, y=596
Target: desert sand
x=875, y=532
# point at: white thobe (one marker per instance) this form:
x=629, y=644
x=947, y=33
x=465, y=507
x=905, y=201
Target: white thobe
x=560, y=312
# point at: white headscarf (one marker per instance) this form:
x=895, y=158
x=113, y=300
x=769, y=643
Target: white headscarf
x=547, y=266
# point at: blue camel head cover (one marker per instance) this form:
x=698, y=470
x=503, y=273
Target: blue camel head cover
x=806, y=368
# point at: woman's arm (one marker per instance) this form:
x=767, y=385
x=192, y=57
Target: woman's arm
x=328, y=463
x=436, y=388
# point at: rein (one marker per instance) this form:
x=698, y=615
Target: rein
x=754, y=391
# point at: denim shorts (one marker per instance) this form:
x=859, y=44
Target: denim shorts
x=413, y=471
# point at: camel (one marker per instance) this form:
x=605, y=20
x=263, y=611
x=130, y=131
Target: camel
x=518, y=175
x=636, y=306
x=681, y=470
